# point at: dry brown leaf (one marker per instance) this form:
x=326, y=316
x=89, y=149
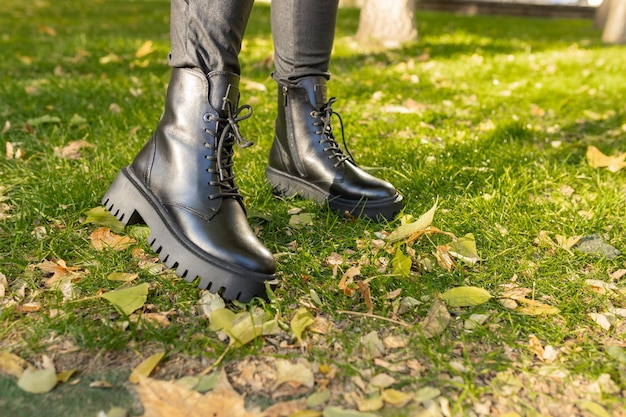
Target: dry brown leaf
x=436, y=320
x=534, y=344
x=347, y=280
x=102, y=238
x=168, y=399
x=364, y=289
x=599, y=160
x=59, y=270
x=444, y=259
x=619, y=274
x=72, y=149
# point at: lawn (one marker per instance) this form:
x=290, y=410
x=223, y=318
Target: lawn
x=499, y=291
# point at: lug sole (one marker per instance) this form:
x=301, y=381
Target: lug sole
x=377, y=210
x=132, y=203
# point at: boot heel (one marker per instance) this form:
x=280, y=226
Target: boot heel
x=119, y=198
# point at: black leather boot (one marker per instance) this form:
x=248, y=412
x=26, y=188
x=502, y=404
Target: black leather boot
x=305, y=158
x=182, y=186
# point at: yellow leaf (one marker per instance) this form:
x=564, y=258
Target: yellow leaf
x=535, y=308
x=370, y=404
x=401, y=264
x=243, y=327
x=11, y=364
x=407, y=230
x=145, y=368
x=594, y=408
x=102, y=217
x=301, y=319
x=37, y=381
x=465, y=296
x=128, y=300
x=464, y=249
x=122, y=276
x=396, y=398
x=65, y=376
x=599, y=160
x=145, y=49
x=299, y=373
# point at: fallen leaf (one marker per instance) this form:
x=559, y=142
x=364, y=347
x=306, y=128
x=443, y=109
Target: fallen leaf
x=101, y=384
x=146, y=48
x=601, y=320
x=535, y=308
x=145, y=368
x=347, y=279
x=168, y=399
x=436, y=321
x=102, y=238
x=396, y=398
x=444, y=259
x=72, y=150
x=373, y=346
x=122, y=276
x=37, y=381
x=374, y=403
x=127, y=300
x=425, y=394
x=243, y=327
x=597, y=159
x=406, y=230
x=108, y=59
x=401, y=264
x=59, y=271
x=599, y=286
x=300, y=220
x=475, y=320
x=366, y=293
x=101, y=217
x=302, y=318
x=341, y=412
x=13, y=365
x=298, y=373
x=42, y=120
x=594, y=408
x=465, y=296
x=464, y=248
x=65, y=376
x=318, y=398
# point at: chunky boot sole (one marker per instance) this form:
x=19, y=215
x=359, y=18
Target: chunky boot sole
x=131, y=202
x=377, y=210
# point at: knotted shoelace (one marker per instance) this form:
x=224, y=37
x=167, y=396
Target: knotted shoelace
x=227, y=128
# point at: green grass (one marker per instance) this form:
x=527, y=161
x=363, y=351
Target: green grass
x=506, y=108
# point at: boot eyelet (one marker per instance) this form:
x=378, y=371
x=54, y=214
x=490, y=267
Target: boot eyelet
x=206, y=117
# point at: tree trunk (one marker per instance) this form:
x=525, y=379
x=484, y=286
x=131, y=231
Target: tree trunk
x=389, y=23
x=615, y=27
x=602, y=13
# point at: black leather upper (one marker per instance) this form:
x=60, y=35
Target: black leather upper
x=181, y=164
x=305, y=147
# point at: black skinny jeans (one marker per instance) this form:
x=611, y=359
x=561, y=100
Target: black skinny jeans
x=208, y=33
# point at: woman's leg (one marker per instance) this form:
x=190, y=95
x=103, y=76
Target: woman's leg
x=182, y=184
x=303, y=33
x=207, y=34
x=305, y=158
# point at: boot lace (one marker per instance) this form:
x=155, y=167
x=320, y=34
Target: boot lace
x=227, y=134
x=324, y=115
